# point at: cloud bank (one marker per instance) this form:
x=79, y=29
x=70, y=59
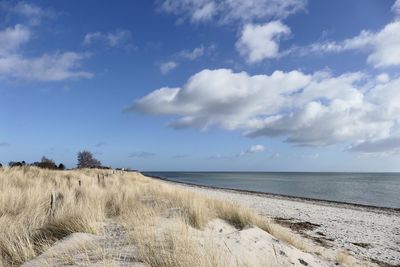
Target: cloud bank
x=306, y=109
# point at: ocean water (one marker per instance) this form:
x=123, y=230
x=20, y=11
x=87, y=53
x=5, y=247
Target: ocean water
x=376, y=189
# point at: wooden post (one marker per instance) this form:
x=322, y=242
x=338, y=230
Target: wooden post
x=98, y=178
x=52, y=203
x=79, y=182
x=103, y=183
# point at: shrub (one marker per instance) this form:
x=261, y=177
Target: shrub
x=46, y=163
x=13, y=164
x=86, y=160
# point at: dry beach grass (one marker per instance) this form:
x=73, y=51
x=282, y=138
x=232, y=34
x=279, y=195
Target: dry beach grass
x=165, y=224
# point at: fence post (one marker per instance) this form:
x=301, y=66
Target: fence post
x=52, y=203
x=79, y=182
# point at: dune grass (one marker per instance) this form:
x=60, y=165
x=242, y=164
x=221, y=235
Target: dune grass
x=161, y=219
x=28, y=226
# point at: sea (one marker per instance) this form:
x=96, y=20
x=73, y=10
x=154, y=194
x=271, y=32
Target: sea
x=373, y=189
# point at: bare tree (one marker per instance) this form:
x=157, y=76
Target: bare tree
x=86, y=160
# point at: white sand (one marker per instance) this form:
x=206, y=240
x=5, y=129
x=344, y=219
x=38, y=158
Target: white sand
x=377, y=231
x=110, y=248
x=247, y=247
x=255, y=247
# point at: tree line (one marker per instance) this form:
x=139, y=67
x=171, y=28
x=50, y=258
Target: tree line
x=85, y=160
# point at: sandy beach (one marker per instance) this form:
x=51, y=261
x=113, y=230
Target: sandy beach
x=117, y=218
x=364, y=232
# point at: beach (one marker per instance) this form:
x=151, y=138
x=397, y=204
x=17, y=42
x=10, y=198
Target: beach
x=95, y=217
x=364, y=232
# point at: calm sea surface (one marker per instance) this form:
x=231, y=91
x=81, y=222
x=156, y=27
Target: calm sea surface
x=377, y=189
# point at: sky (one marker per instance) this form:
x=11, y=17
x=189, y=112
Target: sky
x=203, y=85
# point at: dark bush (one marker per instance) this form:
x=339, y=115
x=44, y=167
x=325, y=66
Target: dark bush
x=46, y=163
x=86, y=160
x=13, y=164
x=104, y=167
x=61, y=167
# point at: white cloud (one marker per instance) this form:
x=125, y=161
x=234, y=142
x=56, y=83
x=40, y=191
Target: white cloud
x=29, y=12
x=230, y=11
x=307, y=109
x=12, y=38
x=386, y=46
x=114, y=39
x=383, y=78
x=258, y=42
x=386, y=145
x=168, y=66
x=194, y=54
x=48, y=67
x=252, y=150
x=382, y=46
x=205, y=12
x=34, y=13
x=275, y=156
x=396, y=7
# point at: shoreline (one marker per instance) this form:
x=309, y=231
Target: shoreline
x=286, y=197
x=365, y=232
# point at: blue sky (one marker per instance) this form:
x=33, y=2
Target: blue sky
x=261, y=85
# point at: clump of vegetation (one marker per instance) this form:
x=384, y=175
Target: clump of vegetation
x=44, y=163
x=87, y=160
x=13, y=164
